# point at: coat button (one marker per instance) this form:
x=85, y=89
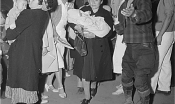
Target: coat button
x=101, y=45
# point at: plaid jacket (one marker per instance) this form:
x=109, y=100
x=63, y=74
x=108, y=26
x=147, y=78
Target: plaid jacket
x=137, y=29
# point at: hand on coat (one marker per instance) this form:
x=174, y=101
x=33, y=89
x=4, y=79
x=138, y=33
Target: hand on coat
x=79, y=28
x=45, y=51
x=88, y=34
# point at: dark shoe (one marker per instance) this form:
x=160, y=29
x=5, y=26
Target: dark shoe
x=93, y=91
x=85, y=101
x=164, y=92
x=80, y=90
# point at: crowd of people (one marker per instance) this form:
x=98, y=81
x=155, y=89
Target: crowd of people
x=37, y=39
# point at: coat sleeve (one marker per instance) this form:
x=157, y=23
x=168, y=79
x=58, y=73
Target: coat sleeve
x=143, y=12
x=109, y=20
x=23, y=21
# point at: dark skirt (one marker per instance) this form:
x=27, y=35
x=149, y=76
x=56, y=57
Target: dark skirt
x=78, y=61
x=88, y=72
x=97, y=63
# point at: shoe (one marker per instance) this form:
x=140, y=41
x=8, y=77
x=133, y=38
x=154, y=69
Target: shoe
x=119, y=86
x=62, y=95
x=119, y=90
x=44, y=101
x=44, y=97
x=164, y=92
x=80, y=90
x=47, y=87
x=85, y=101
x=129, y=101
x=67, y=74
x=93, y=91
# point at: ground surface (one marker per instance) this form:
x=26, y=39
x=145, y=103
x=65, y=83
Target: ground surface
x=104, y=94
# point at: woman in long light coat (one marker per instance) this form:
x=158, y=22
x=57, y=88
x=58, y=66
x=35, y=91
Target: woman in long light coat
x=59, y=33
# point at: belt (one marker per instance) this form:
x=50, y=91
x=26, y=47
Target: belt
x=150, y=45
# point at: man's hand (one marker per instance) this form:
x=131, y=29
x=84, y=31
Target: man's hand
x=128, y=12
x=159, y=40
x=45, y=51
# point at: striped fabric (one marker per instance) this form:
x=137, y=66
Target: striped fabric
x=19, y=95
x=137, y=29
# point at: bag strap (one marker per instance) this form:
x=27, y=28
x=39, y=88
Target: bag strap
x=80, y=35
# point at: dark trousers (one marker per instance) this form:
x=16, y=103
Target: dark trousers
x=138, y=61
x=173, y=67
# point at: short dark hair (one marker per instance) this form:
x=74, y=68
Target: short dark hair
x=4, y=13
x=40, y=2
x=51, y=4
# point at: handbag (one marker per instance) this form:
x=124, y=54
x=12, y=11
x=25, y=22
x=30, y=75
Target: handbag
x=80, y=44
x=47, y=61
x=5, y=47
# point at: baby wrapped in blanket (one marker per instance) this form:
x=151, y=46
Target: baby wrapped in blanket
x=96, y=25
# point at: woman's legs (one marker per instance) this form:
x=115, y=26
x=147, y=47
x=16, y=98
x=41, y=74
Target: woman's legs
x=79, y=82
x=86, y=85
x=48, y=84
x=93, y=89
x=93, y=85
x=59, y=77
x=80, y=85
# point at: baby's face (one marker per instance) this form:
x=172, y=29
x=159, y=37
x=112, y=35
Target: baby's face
x=2, y=20
x=21, y=4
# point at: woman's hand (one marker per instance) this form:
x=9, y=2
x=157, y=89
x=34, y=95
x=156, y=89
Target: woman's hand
x=79, y=28
x=88, y=34
x=45, y=51
x=56, y=37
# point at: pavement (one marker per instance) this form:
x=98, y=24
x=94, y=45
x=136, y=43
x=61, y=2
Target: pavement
x=103, y=96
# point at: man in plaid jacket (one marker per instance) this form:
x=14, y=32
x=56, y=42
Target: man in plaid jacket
x=134, y=23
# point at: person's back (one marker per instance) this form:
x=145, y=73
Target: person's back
x=31, y=33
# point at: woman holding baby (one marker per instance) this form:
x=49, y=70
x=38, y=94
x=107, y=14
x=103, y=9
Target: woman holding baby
x=97, y=63
x=25, y=52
